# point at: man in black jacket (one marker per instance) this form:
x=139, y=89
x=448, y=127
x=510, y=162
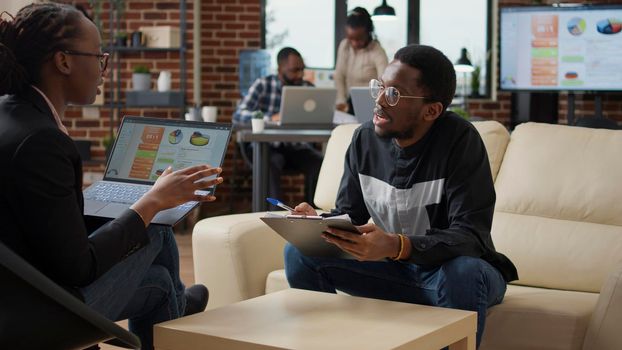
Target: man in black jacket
x=422, y=174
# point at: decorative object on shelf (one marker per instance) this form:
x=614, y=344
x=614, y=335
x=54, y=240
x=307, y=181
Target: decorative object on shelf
x=195, y=113
x=141, y=79
x=475, y=81
x=161, y=36
x=138, y=39
x=209, y=114
x=257, y=121
x=384, y=12
x=120, y=39
x=164, y=81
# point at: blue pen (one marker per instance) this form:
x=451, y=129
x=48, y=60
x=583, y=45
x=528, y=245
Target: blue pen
x=280, y=204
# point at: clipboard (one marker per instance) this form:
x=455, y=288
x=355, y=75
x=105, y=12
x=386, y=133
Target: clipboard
x=306, y=234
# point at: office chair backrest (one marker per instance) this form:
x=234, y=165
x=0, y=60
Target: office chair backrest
x=253, y=64
x=36, y=313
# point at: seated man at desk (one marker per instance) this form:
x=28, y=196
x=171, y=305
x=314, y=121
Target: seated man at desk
x=265, y=96
x=422, y=174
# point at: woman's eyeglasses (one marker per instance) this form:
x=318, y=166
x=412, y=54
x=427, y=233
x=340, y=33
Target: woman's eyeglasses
x=391, y=94
x=103, y=57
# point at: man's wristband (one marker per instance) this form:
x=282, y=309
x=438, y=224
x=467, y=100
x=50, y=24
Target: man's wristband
x=401, y=251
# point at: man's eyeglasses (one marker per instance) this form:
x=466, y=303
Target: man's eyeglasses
x=103, y=57
x=391, y=94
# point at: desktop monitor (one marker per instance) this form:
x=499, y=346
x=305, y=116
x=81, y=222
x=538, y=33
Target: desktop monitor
x=561, y=48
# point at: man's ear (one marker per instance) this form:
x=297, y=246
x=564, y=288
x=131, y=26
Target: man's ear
x=433, y=111
x=62, y=62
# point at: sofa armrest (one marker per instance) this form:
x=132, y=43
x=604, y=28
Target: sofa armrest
x=603, y=332
x=233, y=255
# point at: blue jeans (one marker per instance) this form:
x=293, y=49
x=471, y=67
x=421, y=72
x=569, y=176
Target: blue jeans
x=145, y=287
x=461, y=283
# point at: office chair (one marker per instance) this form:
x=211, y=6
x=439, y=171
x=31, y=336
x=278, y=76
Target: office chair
x=36, y=313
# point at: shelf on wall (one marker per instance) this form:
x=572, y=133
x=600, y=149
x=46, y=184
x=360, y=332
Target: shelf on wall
x=146, y=49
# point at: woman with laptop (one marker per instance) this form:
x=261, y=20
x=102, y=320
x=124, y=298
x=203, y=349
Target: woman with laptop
x=50, y=56
x=360, y=57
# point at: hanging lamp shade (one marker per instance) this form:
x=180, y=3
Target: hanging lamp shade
x=463, y=64
x=384, y=11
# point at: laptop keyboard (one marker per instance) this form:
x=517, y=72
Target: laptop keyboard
x=122, y=193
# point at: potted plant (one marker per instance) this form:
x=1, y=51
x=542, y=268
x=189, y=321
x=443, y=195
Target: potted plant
x=257, y=122
x=120, y=39
x=475, y=81
x=461, y=112
x=141, y=78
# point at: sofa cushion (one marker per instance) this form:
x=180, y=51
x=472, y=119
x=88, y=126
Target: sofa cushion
x=538, y=318
x=557, y=215
x=276, y=281
x=496, y=138
x=332, y=166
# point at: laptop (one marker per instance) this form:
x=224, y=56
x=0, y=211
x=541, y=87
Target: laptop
x=306, y=106
x=143, y=149
x=363, y=104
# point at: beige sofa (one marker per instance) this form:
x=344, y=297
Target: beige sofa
x=558, y=216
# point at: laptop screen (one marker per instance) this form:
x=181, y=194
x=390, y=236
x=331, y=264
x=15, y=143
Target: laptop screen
x=145, y=147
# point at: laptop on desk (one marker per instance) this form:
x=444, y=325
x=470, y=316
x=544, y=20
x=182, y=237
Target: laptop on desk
x=363, y=104
x=307, y=107
x=144, y=148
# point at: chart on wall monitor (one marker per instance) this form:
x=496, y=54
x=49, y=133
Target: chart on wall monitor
x=560, y=49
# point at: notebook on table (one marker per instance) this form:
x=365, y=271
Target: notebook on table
x=143, y=149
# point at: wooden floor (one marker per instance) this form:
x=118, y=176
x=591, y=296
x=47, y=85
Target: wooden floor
x=184, y=242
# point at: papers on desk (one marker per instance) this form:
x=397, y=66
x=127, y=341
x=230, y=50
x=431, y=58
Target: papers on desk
x=344, y=118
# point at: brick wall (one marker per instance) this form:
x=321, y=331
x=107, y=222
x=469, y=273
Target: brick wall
x=227, y=27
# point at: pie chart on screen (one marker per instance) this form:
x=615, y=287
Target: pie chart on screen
x=576, y=26
x=609, y=26
x=175, y=137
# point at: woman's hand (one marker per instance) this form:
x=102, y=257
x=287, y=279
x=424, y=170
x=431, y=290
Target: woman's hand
x=176, y=187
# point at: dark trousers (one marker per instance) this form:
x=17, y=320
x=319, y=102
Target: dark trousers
x=299, y=157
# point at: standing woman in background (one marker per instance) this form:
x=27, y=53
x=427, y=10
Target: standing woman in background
x=360, y=58
x=50, y=56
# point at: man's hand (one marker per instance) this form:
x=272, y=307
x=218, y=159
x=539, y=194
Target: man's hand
x=276, y=117
x=304, y=208
x=371, y=245
x=342, y=107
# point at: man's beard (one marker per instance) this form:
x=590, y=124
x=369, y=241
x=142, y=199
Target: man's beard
x=287, y=81
x=392, y=134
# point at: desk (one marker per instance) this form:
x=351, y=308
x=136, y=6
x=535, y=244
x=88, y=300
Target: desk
x=301, y=319
x=261, y=155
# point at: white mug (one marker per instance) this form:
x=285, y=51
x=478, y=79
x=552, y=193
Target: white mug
x=164, y=81
x=209, y=114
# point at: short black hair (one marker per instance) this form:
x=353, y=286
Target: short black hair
x=438, y=77
x=360, y=18
x=284, y=54
x=28, y=40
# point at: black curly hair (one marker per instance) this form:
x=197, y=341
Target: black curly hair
x=360, y=18
x=31, y=38
x=438, y=76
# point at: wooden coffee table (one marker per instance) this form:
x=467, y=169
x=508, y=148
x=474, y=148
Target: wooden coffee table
x=299, y=319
